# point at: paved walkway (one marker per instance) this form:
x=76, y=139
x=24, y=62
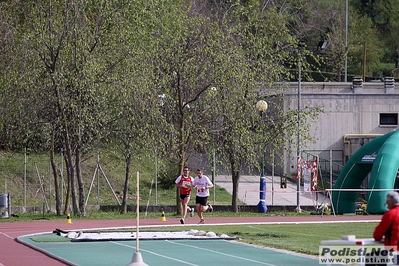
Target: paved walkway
x=249, y=189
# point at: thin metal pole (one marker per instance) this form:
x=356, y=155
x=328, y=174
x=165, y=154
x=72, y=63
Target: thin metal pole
x=273, y=180
x=331, y=169
x=137, y=210
x=49, y=185
x=213, y=175
x=213, y=153
x=264, y=148
x=25, y=181
x=364, y=60
x=156, y=179
x=346, y=42
x=98, y=178
x=298, y=206
x=62, y=177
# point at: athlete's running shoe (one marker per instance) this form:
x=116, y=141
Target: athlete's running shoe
x=202, y=221
x=182, y=221
x=192, y=212
x=210, y=209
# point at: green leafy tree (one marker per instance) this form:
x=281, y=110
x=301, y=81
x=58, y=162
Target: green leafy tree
x=384, y=18
x=188, y=63
x=255, y=58
x=257, y=48
x=18, y=123
x=136, y=127
x=72, y=50
x=365, y=46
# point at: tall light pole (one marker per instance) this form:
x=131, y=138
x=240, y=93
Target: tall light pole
x=346, y=42
x=261, y=106
x=298, y=188
x=214, y=91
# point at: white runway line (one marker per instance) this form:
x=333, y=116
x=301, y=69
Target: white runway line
x=221, y=253
x=157, y=254
x=1, y=233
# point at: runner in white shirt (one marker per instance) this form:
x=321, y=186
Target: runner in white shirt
x=203, y=184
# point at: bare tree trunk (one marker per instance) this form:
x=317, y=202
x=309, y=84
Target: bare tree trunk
x=181, y=166
x=71, y=174
x=56, y=178
x=82, y=205
x=68, y=150
x=235, y=175
x=339, y=71
x=71, y=177
x=126, y=186
x=68, y=190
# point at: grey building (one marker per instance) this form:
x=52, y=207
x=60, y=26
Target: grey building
x=354, y=113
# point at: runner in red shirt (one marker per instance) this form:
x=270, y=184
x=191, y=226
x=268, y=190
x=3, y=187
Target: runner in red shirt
x=185, y=184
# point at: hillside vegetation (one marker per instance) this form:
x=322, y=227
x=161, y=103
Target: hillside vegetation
x=40, y=191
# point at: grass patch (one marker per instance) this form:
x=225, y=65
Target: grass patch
x=301, y=238
x=50, y=239
x=271, y=235
x=115, y=215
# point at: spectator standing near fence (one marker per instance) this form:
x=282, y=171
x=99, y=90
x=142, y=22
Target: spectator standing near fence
x=185, y=184
x=203, y=184
x=388, y=228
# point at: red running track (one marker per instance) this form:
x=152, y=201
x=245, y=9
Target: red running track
x=13, y=253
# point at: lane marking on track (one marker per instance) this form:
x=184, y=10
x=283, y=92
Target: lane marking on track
x=157, y=254
x=221, y=253
x=10, y=237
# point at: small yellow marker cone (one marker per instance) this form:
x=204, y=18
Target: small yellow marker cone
x=163, y=218
x=68, y=221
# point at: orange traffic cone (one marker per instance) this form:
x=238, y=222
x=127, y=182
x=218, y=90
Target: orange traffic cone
x=68, y=221
x=163, y=218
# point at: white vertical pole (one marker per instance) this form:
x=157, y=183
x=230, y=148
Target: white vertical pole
x=137, y=211
x=137, y=259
